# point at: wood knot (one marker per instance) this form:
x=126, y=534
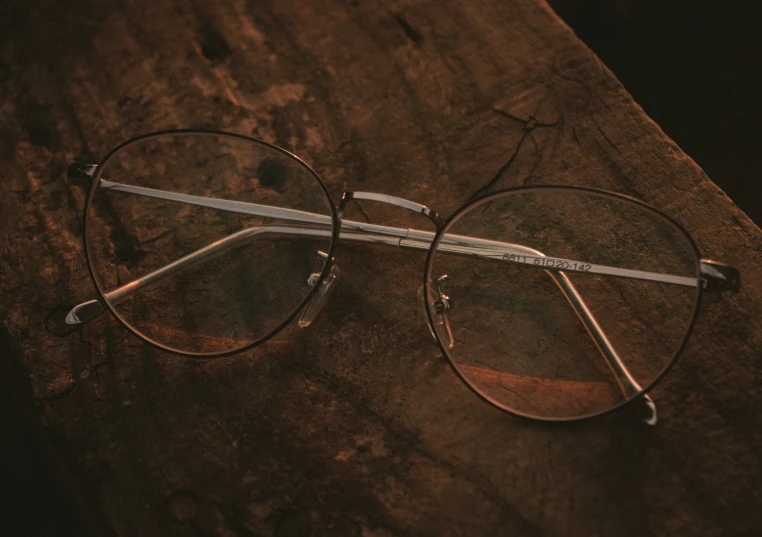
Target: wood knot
x=213, y=45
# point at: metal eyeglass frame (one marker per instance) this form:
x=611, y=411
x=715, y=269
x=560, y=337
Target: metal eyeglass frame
x=712, y=276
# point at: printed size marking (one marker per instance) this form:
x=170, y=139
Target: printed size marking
x=547, y=262
x=576, y=266
x=562, y=264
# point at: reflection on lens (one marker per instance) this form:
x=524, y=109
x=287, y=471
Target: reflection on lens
x=563, y=303
x=183, y=241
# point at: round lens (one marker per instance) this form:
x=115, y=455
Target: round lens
x=561, y=303
x=206, y=243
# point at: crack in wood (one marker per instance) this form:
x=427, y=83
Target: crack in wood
x=529, y=125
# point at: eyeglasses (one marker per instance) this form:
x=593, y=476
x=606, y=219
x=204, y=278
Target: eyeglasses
x=554, y=303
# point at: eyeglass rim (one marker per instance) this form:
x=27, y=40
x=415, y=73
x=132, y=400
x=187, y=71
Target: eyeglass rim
x=485, y=198
x=101, y=294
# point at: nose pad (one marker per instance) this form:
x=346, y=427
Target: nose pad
x=316, y=303
x=440, y=304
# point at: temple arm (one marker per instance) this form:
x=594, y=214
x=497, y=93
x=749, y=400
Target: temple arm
x=494, y=251
x=460, y=244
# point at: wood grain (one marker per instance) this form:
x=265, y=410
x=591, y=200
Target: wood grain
x=357, y=426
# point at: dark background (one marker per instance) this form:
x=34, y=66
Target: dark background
x=694, y=67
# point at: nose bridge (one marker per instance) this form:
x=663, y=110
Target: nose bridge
x=390, y=200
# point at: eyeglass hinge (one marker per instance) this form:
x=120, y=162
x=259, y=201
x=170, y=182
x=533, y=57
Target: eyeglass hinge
x=81, y=174
x=718, y=277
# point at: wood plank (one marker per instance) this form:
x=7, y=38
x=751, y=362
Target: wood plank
x=357, y=426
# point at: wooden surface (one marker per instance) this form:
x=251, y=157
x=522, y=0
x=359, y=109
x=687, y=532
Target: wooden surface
x=357, y=426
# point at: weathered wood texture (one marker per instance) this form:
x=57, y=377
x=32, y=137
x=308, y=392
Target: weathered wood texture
x=357, y=426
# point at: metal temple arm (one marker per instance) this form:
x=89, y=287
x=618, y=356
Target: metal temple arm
x=629, y=386
x=480, y=247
